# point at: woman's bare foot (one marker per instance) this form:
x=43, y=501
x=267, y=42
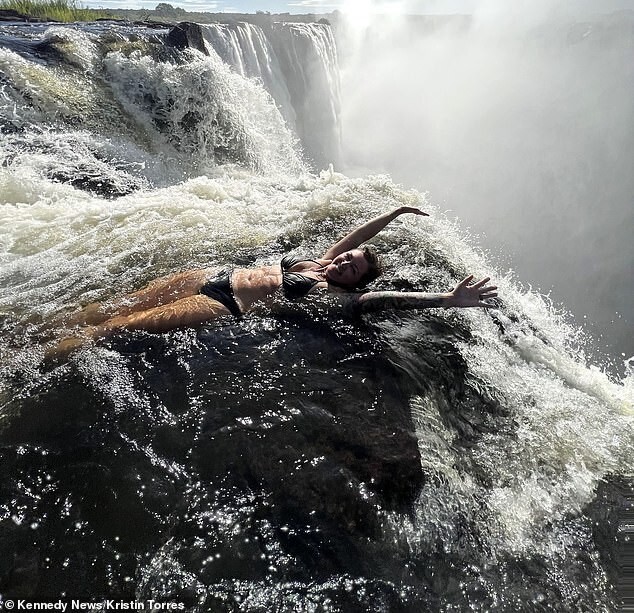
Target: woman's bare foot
x=91, y=315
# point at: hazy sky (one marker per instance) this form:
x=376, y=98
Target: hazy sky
x=326, y=6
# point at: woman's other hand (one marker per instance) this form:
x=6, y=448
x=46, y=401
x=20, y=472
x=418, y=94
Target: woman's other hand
x=468, y=294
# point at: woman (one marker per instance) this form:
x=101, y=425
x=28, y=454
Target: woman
x=194, y=297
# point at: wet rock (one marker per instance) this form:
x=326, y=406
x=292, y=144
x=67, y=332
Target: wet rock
x=153, y=25
x=19, y=572
x=187, y=35
x=12, y=15
x=98, y=186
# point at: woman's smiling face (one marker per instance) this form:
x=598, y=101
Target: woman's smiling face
x=347, y=268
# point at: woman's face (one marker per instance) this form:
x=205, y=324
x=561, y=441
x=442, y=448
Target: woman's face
x=347, y=268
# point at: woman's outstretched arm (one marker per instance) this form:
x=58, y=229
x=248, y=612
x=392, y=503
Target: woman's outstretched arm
x=368, y=230
x=465, y=294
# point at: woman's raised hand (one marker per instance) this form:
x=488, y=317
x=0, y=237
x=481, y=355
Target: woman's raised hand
x=468, y=294
x=410, y=209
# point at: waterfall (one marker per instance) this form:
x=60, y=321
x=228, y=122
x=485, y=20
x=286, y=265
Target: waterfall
x=308, y=55
x=245, y=47
x=215, y=108
x=186, y=111
x=297, y=64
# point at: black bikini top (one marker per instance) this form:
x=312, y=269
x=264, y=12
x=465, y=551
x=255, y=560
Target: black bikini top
x=294, y=284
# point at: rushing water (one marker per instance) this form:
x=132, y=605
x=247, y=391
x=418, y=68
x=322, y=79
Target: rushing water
x=302, y=461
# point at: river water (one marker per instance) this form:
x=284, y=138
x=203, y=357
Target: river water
x=303, y=461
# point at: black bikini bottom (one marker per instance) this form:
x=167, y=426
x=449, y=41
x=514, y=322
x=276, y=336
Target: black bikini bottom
x=219, y=289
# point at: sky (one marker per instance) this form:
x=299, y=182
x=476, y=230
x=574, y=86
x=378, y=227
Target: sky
x=407, y=7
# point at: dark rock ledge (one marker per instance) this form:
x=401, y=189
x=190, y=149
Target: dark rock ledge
x=13, y=15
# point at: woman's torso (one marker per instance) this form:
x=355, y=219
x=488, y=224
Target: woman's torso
x=264, y=284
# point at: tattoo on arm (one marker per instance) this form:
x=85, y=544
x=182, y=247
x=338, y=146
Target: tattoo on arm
x=380, y=301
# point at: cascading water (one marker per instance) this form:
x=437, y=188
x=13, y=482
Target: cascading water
x=188, y=110
x=308, y=55
x=303, y=461
x=244, y=47
x=297, y=64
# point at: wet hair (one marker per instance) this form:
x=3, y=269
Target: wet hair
x=375, y=269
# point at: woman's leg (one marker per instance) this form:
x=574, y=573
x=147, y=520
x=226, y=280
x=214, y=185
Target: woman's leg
x=157, y=293
x=186, y=312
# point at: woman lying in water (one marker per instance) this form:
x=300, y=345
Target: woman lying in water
x=194, y=297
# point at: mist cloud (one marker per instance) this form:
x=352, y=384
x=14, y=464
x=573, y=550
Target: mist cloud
x=521, y=123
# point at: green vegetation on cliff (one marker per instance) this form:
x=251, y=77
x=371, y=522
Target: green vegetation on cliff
x=54, y=10
x=164, y=13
